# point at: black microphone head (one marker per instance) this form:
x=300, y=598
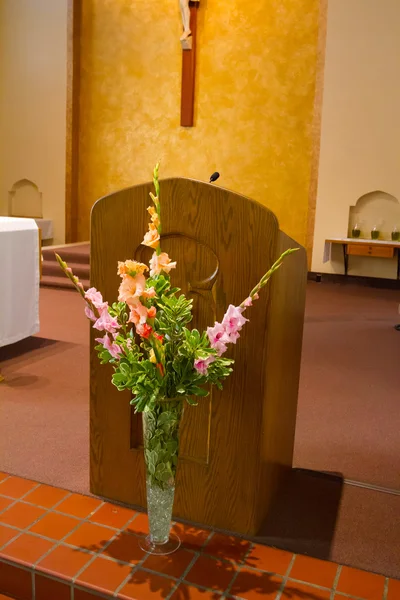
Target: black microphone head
x=214, y=177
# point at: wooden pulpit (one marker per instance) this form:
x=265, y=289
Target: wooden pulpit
x=238, y=443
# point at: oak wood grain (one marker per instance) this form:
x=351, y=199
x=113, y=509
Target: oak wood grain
x=234, y=444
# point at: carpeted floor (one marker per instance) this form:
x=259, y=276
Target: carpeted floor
x=348, y=416
x=348, y=420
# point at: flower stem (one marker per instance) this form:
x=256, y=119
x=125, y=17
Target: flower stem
x=264, y=279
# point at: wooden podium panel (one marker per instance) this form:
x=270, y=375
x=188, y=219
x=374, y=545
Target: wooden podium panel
x=237, y=443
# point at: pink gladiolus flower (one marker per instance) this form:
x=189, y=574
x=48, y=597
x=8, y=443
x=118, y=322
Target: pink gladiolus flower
x=106, y=322
x=95, y=297
x=248, y=302
x=201, y=365
x=233, y=322
x=161, y=262
x=138, y=314
x=218, y=338
x=113, y=348
x=90, y=314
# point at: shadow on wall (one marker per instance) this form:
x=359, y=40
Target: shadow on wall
x=375, y=209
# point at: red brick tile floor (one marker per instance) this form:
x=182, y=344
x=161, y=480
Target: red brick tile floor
x=56, y=545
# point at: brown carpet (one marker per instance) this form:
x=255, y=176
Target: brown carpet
x=78, y=258
x=348, y=417
x=348, y=421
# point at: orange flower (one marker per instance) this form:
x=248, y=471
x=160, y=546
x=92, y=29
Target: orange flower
x=159, y=263
x=152, y=237
x=152, y=312
x=144, y=330
x=154, y=216
x=131, y=267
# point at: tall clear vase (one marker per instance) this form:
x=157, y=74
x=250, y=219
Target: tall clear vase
x=161, y=448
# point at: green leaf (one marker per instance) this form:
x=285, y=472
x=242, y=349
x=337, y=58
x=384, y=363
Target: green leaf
x=191, y=401
x=197, y=391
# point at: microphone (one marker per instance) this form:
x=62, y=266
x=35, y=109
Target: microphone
x=214, y=177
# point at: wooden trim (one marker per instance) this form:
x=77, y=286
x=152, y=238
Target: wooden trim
x=316, y=128
x=72, y=133
x=189, y=73
x=373, y=282
x=365, y=242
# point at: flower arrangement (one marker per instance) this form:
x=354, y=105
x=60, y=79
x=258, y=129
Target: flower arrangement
x=146, y=339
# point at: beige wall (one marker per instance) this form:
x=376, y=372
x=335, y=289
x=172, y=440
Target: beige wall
x=33, y=55
x=360, y=123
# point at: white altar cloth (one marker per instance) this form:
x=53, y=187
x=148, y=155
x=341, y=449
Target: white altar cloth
x=19, y=279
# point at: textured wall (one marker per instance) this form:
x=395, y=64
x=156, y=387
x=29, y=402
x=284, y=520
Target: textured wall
x=256, y=75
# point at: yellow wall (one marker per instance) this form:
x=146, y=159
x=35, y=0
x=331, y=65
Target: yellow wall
x=360, y=127
x=33, y=67
x=254, y=100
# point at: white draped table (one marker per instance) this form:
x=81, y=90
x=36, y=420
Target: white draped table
x=19, y=279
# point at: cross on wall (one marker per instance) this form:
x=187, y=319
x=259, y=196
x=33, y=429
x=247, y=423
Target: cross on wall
x=188, y=42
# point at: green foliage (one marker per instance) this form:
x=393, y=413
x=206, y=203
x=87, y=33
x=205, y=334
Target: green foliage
x=161, y=441
x=178, y=351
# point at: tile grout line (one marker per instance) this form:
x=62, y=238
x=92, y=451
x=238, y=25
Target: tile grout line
x=185, y=573
x=238, y=570
x=286, y=577
x=335, y=582
x=32, y=568
x=385, y=589
x=178, y=581
x=20, y=531
x=348, y=596
x=56, y=543
x=101, y=550
x=98, y=553
x=134, y=568
x=139, y=565
x=96, y=593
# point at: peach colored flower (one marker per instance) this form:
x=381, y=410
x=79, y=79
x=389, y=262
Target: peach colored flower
x=133, y=288
x=151, y=313
x=138, y=314
x=154, y=216
x=132, y=268
x=159, y=263
x=152, y=237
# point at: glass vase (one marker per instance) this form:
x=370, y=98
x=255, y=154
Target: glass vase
x=375, y=233
x=161, y=448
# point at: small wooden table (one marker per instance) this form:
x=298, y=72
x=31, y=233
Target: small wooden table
x=363, y=247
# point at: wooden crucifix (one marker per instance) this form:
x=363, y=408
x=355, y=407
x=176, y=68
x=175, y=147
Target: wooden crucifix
x=188, y=42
